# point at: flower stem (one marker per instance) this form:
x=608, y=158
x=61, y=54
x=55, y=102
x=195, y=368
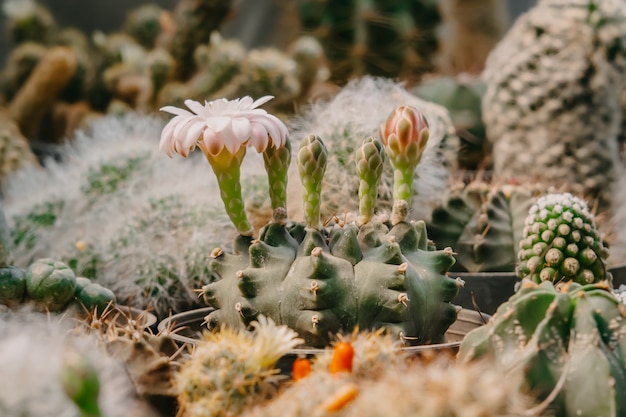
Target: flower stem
x=227, y=168
x=403, y=182
x=277, y=165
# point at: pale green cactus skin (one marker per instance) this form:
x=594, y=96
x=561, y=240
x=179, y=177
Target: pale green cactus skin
x=322, y=282
x=561, y=242
x=575, y=335
x=312, y=158
x=277, y=166
x=483, y=224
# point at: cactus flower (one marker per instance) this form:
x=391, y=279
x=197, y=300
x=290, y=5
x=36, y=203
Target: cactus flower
x=405, y=135
x=223, y=129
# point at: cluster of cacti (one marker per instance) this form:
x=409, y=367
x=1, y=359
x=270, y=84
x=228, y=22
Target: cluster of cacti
x=462, y=97
x=368, y=101
x=59, y=82
x=104, y=215
x=560, y=242
x=551, y=107
x=368, y=274
x=390, y=39
x=569, y=340
x=340, y=383
x=483, y=223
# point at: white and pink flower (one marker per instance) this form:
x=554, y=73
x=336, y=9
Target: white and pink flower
x=220, y=124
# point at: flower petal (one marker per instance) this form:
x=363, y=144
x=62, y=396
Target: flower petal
x=176, y=110
x=212, y=143
x=259, y=138
x=196, y=107
x=241, y=128
x=260, y=101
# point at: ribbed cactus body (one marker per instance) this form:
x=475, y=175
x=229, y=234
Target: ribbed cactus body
x=573, y=336
x=483, y=225
x=560, y=242
x=323, y=282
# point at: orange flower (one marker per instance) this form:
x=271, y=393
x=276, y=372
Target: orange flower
x=342, y=358
x=300, y=369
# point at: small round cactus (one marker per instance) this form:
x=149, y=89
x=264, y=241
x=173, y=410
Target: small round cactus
x=561, y=242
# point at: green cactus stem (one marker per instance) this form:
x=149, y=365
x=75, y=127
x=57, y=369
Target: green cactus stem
x=227, y=168
x=369, y=159
x=312, y=158
x=277, y=165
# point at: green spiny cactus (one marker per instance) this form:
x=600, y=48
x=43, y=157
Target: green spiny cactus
x=381, y=38
x=232, y=369
x=483, y=224
x=568, y=339
x=144, y=24
x=195, y=20
x=561, y=242
x=321, y=282
x=81, y=384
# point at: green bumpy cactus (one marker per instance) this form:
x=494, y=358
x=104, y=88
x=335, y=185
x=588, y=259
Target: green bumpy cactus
x=323, y=281
x=569, y=339
x=561, y=242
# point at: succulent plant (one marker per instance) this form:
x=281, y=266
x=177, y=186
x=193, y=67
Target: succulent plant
x=551, y=108
x=388, y=39
x=483, y=223
x=232, y=369
x=323, y=281
x=50, y=284
x=561, y=242
x=28, y=21
x=568, y=339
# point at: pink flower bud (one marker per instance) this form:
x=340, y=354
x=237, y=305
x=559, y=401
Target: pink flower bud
x=405, y=126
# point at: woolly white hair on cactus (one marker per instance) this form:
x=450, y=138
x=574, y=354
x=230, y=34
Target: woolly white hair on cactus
x=358, y=111
x=143, y=215
x=32, y=350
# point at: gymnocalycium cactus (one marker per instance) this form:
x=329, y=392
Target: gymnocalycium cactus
x=321, y=281
x=561, y=242
x=482, y=221
x=569, y=339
